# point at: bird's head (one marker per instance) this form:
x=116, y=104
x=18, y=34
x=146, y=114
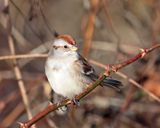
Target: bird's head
x=63, y=46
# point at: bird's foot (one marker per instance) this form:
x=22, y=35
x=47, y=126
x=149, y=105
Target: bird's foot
x=63, y=108
x=75, y=102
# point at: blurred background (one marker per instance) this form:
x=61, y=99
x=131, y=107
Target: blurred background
x=107, y=32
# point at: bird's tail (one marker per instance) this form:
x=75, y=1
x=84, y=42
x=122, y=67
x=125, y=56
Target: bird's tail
x=109, y=82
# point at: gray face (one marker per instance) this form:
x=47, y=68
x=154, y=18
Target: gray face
x=61, y=48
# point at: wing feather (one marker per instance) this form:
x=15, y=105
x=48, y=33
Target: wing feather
x=89, y=72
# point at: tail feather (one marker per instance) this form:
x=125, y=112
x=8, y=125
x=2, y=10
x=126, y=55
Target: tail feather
x=115, y=84
x=108, y=82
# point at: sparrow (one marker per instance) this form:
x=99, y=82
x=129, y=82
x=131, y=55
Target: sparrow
x=68, y=72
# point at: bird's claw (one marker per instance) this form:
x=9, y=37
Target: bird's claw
x=75, y=102
x=63, y=108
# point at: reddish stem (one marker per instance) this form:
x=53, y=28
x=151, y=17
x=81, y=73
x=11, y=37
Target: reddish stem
x=113, y=68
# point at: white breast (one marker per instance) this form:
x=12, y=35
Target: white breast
x=63, y=79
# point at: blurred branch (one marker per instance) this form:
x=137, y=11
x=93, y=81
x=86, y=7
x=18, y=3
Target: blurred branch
x=89, y=28
x=26, y=20
x=52, y=31
x=36, y=8
x=128, y=98
x=110, y=69
x=23, y=56
x=98, y=45
x=43, y=48
x=127, y=49
x=17, y=35
x=109, y=19
x=17, y=71
x=18, y=75
x=124, y=76
x=8, y=120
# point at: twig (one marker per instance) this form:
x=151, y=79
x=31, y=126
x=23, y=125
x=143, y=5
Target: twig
x=128, y=98
x=52, y=31
x=109, y=19
x=26, y=20
x=127, y=49
x=16, y=34
x=126, y=77
x=111, y=24
x=17, y=111
x=35, y=53
x=113, y=68
x=88, y=34
x=18, y=75
x=52, y=107
x=36, y=8
x=16, y=68
x=43, y=48
x=23, y=56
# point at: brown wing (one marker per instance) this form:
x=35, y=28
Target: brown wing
x=89, y=72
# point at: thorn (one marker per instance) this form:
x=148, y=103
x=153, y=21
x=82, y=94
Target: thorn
x=143, y=51
x=107, y=70
x=114, y=68
x=22, y=125
x=50, y=103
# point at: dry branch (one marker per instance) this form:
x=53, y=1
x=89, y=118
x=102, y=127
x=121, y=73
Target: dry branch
x=109, y=20
x=89, y=29
x=17, y=71
x=17, y=111
x=113, y=68
x=124, y=76
x=23, y=56
x=18, y=75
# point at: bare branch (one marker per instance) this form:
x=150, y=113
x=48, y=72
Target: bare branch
x=23, y=56
x=113, y=68
x=124, y=76
x=89, y=28
x=17, y=71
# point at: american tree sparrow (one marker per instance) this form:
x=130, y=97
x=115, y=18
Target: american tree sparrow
x=68, y=72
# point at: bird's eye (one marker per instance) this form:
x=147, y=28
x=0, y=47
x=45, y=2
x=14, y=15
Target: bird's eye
x=65, y=46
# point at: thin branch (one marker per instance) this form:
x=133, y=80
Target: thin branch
x=13, y=115
x=105, y=4
x=26, y=20
x=17, y=71
x=52, y=31
x=89, y=28
x=23, y=56
x=36, y=8
x=18, y=75
x=124, y=76
x=26, y=56
x=112, y=69
x=110, y=21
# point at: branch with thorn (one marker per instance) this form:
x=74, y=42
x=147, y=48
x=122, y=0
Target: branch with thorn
x=110, y=69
